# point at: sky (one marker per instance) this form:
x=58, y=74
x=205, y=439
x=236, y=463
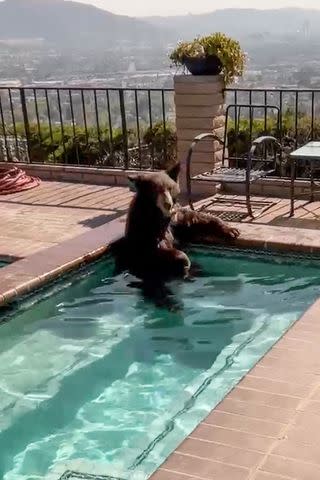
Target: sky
x=176, y=7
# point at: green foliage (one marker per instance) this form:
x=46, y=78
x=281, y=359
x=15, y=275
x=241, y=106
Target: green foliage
x=90, y=147
x=163, y=142
x=157, y=143
x=239, y=136
x=80, y=146
x=226, y=49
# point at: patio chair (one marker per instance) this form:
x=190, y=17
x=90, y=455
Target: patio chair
x=257, y=167
x=262, y=160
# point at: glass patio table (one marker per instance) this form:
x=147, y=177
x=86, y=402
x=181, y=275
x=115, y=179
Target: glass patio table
x=308, y=153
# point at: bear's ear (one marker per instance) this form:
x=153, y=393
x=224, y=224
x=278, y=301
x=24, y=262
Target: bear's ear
x=174, y=172
x=135, y=181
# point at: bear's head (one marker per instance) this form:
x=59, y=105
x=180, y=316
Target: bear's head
x=158, y=188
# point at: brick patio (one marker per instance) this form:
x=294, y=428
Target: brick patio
x=55, y=212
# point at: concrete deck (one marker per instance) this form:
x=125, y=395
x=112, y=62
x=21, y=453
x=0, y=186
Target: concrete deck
x=55, y=212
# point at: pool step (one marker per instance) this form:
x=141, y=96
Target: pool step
x=76, y=470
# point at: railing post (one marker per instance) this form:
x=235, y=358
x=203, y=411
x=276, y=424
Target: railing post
x=25, y=119
x=200, y=108
x=124, y=129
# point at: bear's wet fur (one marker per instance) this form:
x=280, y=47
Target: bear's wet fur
x=156, y=224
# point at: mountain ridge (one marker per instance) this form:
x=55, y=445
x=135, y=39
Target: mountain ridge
x=70, y=24
x=241, y=22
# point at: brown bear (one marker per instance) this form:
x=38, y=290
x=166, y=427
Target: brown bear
x=156, y=224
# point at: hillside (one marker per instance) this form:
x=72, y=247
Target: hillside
x=242, y=22
x=68, y=24
x=71, y=24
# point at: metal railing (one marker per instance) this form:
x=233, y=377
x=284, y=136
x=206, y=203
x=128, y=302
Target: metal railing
x=135, y=128
x=299, y=112
x=291, y=115
x=101, y=127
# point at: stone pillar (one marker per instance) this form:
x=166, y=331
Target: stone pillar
x=199, y=103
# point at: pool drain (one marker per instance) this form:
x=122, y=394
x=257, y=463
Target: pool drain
x=230, y=209
x=229, y=216
x=71, y=475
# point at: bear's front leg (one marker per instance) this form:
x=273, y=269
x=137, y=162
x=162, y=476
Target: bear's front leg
x=189, y=225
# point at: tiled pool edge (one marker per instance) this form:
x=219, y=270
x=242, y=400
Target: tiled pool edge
x=37, y=270
x=34, y=271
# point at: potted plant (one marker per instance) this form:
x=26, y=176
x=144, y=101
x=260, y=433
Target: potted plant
x=211, y=55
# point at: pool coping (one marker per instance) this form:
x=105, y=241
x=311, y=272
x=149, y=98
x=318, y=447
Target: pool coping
x=25, y=275
x=28, y=274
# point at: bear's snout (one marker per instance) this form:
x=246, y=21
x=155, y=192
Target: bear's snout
x=165, y=203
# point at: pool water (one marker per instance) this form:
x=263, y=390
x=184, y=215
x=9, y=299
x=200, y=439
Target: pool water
x=94, y=378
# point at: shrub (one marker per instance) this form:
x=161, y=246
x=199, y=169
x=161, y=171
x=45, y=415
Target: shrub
x=226, y=49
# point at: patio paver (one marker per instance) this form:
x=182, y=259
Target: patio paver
x=55, y=212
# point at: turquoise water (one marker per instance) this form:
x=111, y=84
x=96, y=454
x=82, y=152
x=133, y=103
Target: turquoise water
x=3, y=264
x=91, y=371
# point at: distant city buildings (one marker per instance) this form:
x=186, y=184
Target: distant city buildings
x=273, y=62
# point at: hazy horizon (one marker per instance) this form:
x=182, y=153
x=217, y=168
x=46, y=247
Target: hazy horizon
x=181, y=7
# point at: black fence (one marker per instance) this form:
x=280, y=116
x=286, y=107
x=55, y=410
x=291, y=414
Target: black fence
x=291, y=115
x=110, y=128
x=299, y=112
x=135, y=128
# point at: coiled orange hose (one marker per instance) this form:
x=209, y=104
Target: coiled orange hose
x=15, y=180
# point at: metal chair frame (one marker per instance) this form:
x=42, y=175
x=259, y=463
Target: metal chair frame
x=245, y=176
